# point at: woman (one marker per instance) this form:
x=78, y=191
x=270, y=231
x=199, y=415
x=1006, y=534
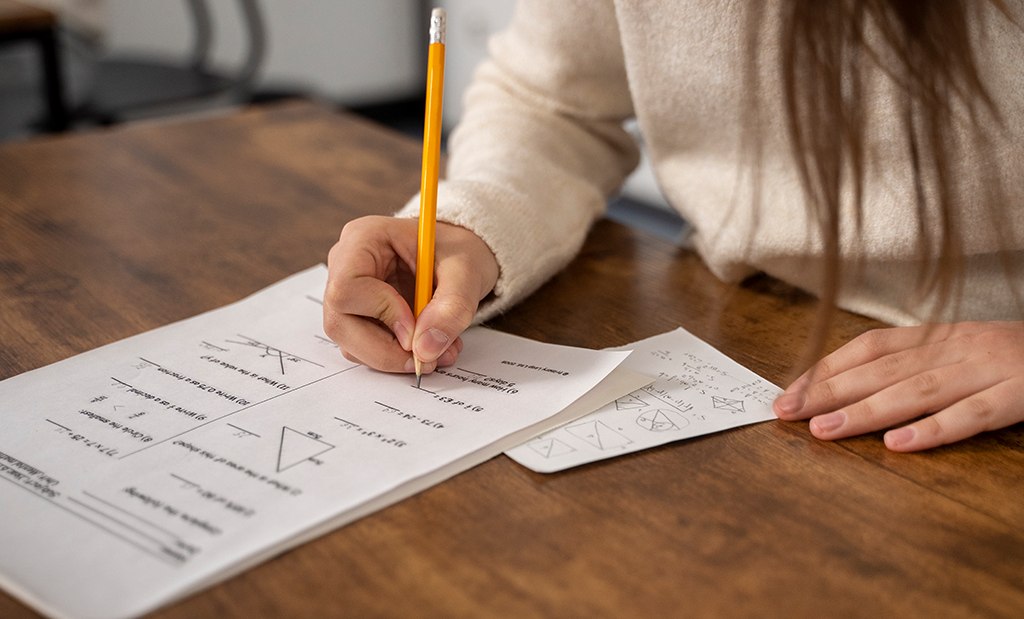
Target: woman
x=866, y=151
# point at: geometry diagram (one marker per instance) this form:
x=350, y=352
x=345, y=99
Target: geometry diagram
x=551, y=447
x=727, y=404
x=659, y=421
x=598, y=434
x=297, y=447
x=629, y=402
x=267, y=351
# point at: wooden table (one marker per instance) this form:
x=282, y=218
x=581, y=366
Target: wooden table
x=105, y=235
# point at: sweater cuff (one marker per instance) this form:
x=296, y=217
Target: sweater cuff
x=528, y=250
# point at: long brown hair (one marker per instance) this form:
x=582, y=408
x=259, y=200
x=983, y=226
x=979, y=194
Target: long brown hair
x=929, y=50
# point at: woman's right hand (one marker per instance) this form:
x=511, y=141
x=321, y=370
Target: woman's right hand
x=370, y=287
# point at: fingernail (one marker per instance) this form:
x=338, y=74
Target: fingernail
x=829, y=422
x=899, y=436
x=403, y=334
x=410, y=366
x=790, y=403
x=431, y=344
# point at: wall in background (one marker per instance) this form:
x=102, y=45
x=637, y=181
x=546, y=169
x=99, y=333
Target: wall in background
x=351, y=51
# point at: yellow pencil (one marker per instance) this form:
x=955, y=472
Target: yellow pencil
x=431, y=163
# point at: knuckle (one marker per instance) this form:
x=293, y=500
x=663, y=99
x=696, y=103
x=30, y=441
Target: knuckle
x=825, y=367
x=332, y=324
x=931, y=429
x=356, y=226
x=862, y=416
x=456, y=310
x=827, y=392
x=371, y=359
x=925, y=384
x=355, y=232
x=873, y=342
x=375, y=357
x=890, y=365
x=331, y=329
x=864, y=411
x=379, y=359
x=340, y=289
x=334, y=295
x=980, y=411
x=383, y=310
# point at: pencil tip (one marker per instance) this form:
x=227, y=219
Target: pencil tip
x=419, y=379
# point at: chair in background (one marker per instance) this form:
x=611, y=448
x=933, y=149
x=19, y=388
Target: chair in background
x=129, y=87
x=20, y=23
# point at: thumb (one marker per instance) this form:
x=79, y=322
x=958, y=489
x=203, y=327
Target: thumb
x=440, y=322
x=466, y=271
x=448, y=314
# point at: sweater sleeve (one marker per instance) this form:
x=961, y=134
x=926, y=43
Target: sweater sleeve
x=541, y=145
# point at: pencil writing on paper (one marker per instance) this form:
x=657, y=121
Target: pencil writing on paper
x=175, y=456
x=430, y=168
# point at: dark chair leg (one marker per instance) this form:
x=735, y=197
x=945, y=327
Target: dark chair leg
x=53, y=82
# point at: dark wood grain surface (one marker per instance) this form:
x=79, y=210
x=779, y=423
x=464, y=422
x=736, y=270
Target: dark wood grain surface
x=108, y=234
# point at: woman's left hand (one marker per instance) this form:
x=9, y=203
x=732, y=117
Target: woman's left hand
x=955, y=380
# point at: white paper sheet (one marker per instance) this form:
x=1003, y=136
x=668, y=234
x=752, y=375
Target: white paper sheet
x=697, y=390
x=141, y=471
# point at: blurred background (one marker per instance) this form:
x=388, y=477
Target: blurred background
x=75, y=65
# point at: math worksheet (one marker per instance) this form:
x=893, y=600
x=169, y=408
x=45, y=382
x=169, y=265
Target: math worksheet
x=139, y=472
x=696, y=390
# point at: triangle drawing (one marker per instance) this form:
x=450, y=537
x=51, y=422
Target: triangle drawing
x=550, y=447
x=598, y=434
x=629, y=402
x=297, y=447
x=657, y=421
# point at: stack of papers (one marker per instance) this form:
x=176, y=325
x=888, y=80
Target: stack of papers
x=142, y=471
x=696, y=390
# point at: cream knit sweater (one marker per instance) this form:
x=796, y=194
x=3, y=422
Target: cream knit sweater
x=542, y=146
